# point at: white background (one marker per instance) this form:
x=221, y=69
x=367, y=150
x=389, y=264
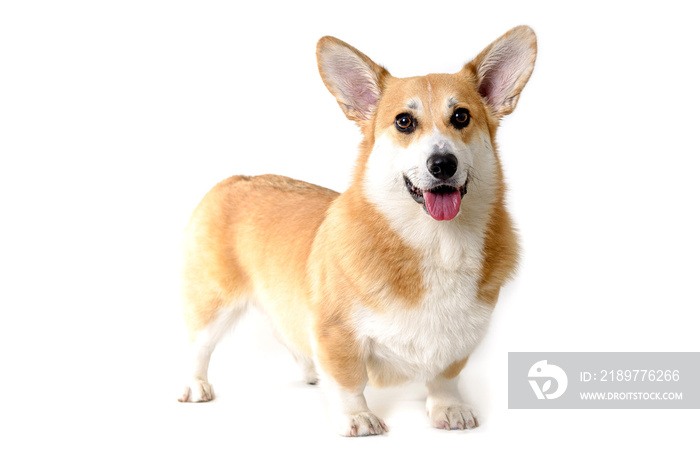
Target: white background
x=117, y=117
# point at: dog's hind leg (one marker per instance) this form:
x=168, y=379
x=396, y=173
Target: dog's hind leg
x=307, y=366
x=215, y=290
x=202, y=344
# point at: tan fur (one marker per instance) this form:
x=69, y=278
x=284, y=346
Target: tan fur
x=311, y=257
x=236, y=221
x=349, y=267
x=453, y=370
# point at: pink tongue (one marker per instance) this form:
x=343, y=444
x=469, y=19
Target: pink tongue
x=443, y=206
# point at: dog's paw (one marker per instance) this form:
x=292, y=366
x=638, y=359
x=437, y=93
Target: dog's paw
x=360, y=424
x=453, y=417
x=197, y=391
x=310, y=376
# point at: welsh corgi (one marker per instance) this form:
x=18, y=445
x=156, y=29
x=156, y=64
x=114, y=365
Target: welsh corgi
x=393, y=280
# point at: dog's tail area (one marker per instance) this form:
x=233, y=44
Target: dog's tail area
x=212, y=279
x=215, y=288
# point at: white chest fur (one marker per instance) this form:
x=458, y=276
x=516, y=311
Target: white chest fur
x=420, y=342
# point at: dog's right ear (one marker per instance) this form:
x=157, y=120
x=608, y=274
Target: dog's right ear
x=354, y=79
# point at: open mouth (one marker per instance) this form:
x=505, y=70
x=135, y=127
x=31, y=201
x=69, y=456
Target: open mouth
x=442, y=202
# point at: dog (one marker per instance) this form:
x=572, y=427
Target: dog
x=394, y=279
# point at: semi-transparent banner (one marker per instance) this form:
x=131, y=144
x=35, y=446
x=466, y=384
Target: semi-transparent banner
x=604, y=380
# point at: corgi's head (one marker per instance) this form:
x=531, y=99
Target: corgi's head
x=429, y=140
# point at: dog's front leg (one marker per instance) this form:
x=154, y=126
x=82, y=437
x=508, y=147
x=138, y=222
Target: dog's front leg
x=343, y=379
x=444, y=404
x=349, y=412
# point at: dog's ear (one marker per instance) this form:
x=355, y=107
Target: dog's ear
x=354, y=79
x=503, y=68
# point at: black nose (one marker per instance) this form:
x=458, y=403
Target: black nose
x=442, y=166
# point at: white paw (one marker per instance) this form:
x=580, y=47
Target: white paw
x=453, y=417
x=198, y=391
x=310, y=376
x=360, y=424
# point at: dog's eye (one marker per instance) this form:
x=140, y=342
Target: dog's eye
x=460, y=118
x=405, y=123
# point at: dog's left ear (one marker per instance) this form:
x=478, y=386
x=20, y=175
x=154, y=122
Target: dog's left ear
x=354, y=79
x=504, y=67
